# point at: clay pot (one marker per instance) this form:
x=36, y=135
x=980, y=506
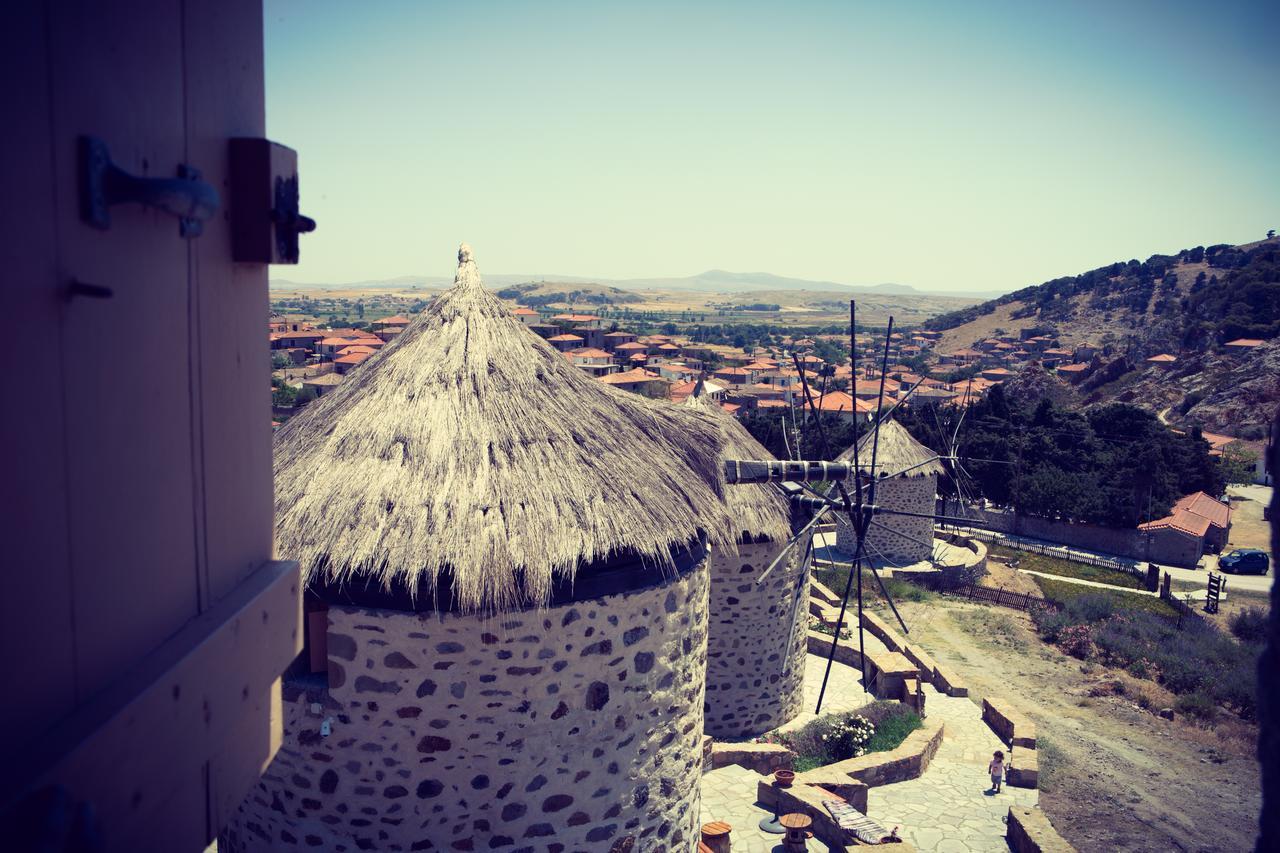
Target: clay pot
x=784, y=778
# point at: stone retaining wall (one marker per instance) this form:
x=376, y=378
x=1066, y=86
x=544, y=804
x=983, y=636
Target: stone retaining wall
x=1030, y=832
x=756, y=644
x=578, y=727
x=763, y=758
x=1009, y=725
x=1020, y=733
x=908, y=761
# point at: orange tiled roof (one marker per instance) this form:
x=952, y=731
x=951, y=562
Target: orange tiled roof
x=1186, y=522
x=1244, y=343
x=1218, y=513
x=637, y=374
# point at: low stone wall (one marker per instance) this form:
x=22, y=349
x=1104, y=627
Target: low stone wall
x=1009, y=724
x=922, y=660
x=888, y=672
x=1030, y=832
x=763, y=758
x=756, y=645
x=948, y=682
x=1024, y=768
x=1019, y=733
x=910, y=759
x=821, y=593
x=807, y=799
x=846, y=651
x=881, y=630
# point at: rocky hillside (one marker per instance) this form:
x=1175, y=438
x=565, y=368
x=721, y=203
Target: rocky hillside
x=1187, y=305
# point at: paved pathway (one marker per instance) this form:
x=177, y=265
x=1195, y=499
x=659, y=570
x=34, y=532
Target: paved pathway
x=947, y=810
x=729, y=794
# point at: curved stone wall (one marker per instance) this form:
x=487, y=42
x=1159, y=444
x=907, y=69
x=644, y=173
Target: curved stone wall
x=577, y=727
x=757, y=639
x=899, y=538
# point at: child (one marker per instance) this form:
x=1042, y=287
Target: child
x=996, y=768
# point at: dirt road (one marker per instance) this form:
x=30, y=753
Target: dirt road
x=1114, y=777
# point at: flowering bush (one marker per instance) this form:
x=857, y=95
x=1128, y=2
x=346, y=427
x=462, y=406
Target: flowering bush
x=1077, y=641
x=845, y=737
x=873, y=728
x=1191, y=658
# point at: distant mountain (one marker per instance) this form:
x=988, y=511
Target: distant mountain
x=723, y=281
x=711, y=281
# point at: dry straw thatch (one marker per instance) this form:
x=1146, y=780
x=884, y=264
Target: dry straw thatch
x=758, y=510
x=899, y=453
x=469, y=446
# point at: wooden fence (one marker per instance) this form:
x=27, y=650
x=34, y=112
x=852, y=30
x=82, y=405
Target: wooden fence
x=1061, y=552
x=994, y=595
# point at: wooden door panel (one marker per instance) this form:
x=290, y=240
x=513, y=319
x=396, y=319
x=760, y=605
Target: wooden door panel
x=117, y=74
x=224, y=100
x=35, y=612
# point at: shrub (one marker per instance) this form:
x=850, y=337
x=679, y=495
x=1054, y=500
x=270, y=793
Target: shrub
x=1077, y=641
x=1091, y=608
x=1198, y=705
x=1049, y=622
x=1250, y=624
x=876, y=727
x=893, y=729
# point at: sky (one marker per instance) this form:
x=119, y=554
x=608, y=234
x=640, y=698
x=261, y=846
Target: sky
x=948, y=146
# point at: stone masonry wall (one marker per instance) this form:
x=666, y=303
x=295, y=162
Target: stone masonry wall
x=756, y=640
x=575, y=728
x=907, y=544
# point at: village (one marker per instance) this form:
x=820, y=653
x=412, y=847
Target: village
x=309, y=361
x=768, y=773
x=856, y=425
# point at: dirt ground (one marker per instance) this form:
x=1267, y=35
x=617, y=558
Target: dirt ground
x=1248, y=529
x=1001, y=576
x=1113, y=776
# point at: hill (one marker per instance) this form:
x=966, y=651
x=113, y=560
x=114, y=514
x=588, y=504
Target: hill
x=552, y=293
x=1187, y=305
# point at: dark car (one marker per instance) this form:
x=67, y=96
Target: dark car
x=1246, y=561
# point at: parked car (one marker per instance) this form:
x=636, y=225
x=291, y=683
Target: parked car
x=1249, y=561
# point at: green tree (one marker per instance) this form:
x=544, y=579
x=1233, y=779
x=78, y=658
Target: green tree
x=1237, y=463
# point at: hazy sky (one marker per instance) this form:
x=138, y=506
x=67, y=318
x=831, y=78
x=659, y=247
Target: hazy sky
x=946, y=146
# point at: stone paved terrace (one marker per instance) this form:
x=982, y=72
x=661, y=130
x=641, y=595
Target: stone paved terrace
x=844, y=690
x=729, y=794
x=947, y=810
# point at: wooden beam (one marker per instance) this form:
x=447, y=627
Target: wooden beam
x=162, y=728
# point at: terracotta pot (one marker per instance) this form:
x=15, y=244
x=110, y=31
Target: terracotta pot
x=784, y=778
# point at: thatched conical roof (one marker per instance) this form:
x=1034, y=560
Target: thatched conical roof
x=899, y=452
x=469, y=446
x=758, y=510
